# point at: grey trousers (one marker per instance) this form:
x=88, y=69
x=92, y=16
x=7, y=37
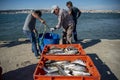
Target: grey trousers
x=67, y=35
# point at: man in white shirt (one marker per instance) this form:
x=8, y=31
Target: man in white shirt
x=64, y=20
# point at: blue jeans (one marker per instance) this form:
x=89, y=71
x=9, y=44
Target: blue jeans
x=31, y=36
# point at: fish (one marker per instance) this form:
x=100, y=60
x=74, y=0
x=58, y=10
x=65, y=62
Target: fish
x=63, y=51
x=75, y=67
x=70, y=48
x=50, y=69
x=62, y=72
x=68, y=65
x=68, y=72
x=60, y=62
x=66, y=68
x=56, y=51
x=80, y=62
x=79, y=73
x=71, y=52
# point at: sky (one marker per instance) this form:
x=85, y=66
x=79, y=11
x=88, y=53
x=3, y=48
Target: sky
x=46, y=4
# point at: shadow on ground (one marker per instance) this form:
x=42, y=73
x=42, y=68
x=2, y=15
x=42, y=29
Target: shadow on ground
x=88, y=43
x=104, y=70
x=25, y=73
x=85, y=44
x=14, y=43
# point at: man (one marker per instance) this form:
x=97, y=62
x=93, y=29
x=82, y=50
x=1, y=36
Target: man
x=64, y=20
x=30, y=30
x=75, y=12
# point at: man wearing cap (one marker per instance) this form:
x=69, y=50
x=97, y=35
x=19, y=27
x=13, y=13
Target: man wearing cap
x=75, y=12
x=64, y=20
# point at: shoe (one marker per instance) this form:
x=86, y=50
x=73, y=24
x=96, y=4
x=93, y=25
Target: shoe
x=38, y=57
x=32, y=51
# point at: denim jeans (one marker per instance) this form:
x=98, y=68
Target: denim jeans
x=67, y=35
x=31, y=36
x=74, y=31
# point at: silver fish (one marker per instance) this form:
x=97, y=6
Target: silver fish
x=76, y=68
x=71, y=52
x=80, y=62
x=63, y=51
x=50, y=69
x=78, y=73
x=60, y=62
x=66, y=68
x=69, y=48
x=56, y=51
x=62, y=72
x=68, y=72
x=68, y=65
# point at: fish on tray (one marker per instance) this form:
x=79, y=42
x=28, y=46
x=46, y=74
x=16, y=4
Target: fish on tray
x=50, y=69
x=79, y=73
x=63, y=51
x=80, y=62
x=66, y=68
x=75, y=67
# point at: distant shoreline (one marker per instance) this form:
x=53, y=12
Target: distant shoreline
x=48, y=11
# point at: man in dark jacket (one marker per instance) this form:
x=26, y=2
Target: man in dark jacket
x=75, y=12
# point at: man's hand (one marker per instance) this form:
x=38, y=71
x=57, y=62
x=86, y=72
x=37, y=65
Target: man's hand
x=52, y=29
x=43, y=22
x=36, y=32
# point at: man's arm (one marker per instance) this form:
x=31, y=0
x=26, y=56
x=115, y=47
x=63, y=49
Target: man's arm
x=78, y=13
x=58, y=25
x=59, y=21
x=39, y=18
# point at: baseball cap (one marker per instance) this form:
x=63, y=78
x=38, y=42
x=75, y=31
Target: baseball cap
x=53, y=8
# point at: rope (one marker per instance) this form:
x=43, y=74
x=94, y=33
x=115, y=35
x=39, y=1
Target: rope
x=45, y=29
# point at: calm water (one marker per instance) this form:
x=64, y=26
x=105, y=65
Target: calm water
x=90, y=25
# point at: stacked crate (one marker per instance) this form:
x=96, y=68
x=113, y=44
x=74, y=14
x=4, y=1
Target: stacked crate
x=39, y=73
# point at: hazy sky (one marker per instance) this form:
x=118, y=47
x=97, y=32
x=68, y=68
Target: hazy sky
x=39, y=4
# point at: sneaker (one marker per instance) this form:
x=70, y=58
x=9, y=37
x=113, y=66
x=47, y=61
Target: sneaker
x=32, y=51
x=38, y=57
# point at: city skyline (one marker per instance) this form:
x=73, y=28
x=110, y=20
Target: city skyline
x=46, y=4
